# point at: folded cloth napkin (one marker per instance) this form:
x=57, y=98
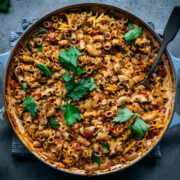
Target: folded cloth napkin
x=18, y=149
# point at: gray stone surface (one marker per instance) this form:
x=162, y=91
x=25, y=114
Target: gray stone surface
x=149, y=10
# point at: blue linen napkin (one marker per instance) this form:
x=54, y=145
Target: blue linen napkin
x=18, y=149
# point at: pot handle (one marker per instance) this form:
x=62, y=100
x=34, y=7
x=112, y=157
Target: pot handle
x=176, y=116
x=3, y=63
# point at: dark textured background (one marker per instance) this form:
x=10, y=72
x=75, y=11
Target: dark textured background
x=168, y=168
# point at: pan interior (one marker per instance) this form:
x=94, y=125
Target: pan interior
x=116, y=13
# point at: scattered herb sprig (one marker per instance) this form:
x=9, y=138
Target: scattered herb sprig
x=69, y=60
x=133, y=34
x=96, y=159
x=138, y=128
x=54, y=124
x=77, y=90
x=31, y=106
x=43, y=69
x=72, y=114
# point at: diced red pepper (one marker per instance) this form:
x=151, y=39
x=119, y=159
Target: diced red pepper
x=151, y=135
x=102, y=69
x=87, y=134
x=141, y=63
x=78, y=147
x=82, y=163
x=144, y=91
x=103, y=114
x=156, y=132
x=93, y=33
x=52, y=26
x=82, y=109
x=102, y=55
x=135, y=110
x=101, y=96
x=112, y=128
x=60, y=139
x=36, y=94
x=74, y=135
x=137, y=68
x=49, y=125
x=162, y=109
x=114, y=115
x=15, y=85
x=161, y=71
x=50, y=35
x=113, y=36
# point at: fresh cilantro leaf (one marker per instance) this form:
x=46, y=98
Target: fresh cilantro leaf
x=104, y=85
x=69, y=60
x=43, y=69
x=138, y=128
x=80, y=71
x=63, y=107
x=30, y=105
x=54, y=123
x=77, y=90
x=24, y=85
x=40, y=48
x=123, y=115
x=131, y=26
x=66, y=77
x=70, y=85
x=72, y=50
x=106, y=146
x=133, y=34
x=42, y=31
x=96, y=159
x=93, y=85
x=4, y=5
x=72, y=114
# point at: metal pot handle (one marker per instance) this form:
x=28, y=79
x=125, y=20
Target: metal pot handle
x=3, y=62
x=176, y=117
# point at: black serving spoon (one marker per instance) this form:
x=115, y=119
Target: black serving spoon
x=170, y=32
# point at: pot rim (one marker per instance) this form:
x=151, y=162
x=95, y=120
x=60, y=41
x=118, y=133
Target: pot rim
x=33, y=27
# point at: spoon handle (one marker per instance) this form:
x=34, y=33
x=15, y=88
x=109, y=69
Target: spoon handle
x=170, y=32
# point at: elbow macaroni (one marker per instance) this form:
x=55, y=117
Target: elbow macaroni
x=108, y=58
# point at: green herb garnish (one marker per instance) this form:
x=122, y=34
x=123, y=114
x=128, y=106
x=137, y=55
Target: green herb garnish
x=24, y=85
x=43, y=69
x=77, y=90
x=69, y=60
x=133, y=34
x=96, y=159
x=104, y=86
x=42, y=31
x=31, y=106
x=138, y=127
x=66, y=77
x=131, y=26
x=106, y=146
x=40, y=48
x=54, y=124
x=132, y=54
x=72, y=114
x=4, y=5
x=123, y=115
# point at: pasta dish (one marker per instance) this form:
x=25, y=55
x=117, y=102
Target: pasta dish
x=74, y=90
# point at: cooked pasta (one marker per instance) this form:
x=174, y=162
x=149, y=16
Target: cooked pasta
x=96, y=142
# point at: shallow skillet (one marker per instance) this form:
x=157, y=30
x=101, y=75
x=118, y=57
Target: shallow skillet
x=172, y=116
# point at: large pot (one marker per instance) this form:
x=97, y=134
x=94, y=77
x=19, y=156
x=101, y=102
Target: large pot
x=6, y=60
